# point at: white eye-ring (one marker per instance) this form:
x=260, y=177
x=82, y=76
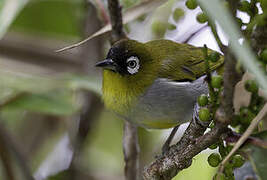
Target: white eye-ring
x=133, y=64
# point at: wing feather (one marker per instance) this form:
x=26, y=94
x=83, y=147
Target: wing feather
x=181, y=61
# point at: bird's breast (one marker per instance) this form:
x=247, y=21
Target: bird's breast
x=121, y=94
x=162, y=104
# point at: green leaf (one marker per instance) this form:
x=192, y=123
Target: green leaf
x=245, y=171
x=258, y=156
x=85, y=82
x=9, y=9
x=42, y=84
x=51, y=18
x=218, y=12
x=45, y=94
x=29, y=83
x=55, y=103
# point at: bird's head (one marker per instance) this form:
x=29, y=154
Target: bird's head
x=127, y=58
x=128, y=71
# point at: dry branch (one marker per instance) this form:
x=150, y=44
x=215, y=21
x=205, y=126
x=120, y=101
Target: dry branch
x=117, y=32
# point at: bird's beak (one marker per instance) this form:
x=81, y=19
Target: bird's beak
x=107, y=64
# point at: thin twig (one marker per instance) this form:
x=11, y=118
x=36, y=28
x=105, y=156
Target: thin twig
x=234, y=137
x=191, y=36
x=208, y=73
x=89, y=114
x=117, y=32
x=130, y=139
x=116, y=25
x=130, y=151
x=166, y=145
x=101, y=31
x=129, y=15
x=216, y=36
x=92, y=104
x=245, y=136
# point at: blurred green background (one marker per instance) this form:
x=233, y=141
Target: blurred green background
x=51, y=115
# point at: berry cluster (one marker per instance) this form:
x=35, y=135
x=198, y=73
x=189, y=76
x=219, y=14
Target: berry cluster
x=159, y=27
x=211, y=103
x=201, y=17
x=246, y=114
x=257, y=10
x=215, y=159
x=204, y=101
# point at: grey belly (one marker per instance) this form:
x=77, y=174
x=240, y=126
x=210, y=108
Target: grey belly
x=167, y=102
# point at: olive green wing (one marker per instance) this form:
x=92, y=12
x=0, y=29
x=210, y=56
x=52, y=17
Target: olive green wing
x=198, y=65
x=182, y=62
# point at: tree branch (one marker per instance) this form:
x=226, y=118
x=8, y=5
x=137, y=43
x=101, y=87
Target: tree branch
x=117, y=32
x=130, y=151
x=90, y=112
x=180, y=155
x=130, y=139
x=230, y=78
x=234, y=137
x=92, y=104
x=192, y=35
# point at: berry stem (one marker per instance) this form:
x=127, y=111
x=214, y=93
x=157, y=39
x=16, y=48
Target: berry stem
x=244, y=137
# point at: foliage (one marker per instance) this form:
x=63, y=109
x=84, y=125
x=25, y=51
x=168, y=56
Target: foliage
x=257, y=156
x=34, y=19
x=23, y=94
x=9, y=10
x=246, y=114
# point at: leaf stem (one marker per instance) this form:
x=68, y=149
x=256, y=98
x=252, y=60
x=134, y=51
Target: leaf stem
x=208, y=78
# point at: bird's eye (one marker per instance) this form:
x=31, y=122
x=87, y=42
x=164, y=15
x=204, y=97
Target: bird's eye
x=132, y=64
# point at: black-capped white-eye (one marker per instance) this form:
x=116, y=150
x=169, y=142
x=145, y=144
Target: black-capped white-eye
x=133, y=64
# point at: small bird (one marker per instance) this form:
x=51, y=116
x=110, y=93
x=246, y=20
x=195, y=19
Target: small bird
x=154, y=84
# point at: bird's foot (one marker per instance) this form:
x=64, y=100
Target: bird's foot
x=166, y=146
